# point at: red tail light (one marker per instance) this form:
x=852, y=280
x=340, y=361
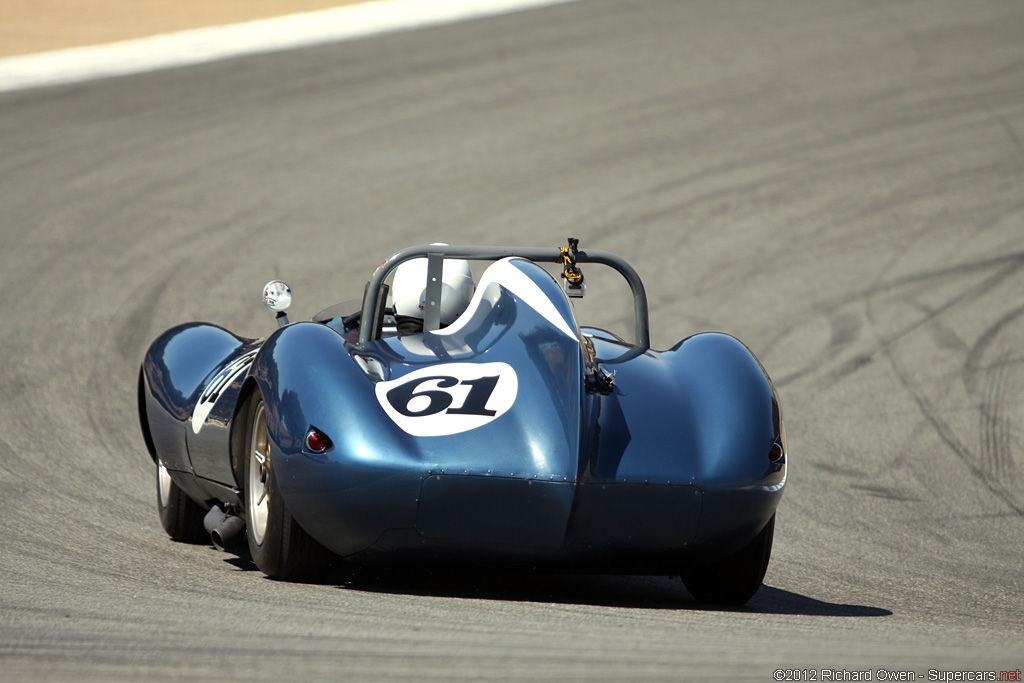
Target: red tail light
x=317, y=441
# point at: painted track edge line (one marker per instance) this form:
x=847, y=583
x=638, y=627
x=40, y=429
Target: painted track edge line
x=260, y=36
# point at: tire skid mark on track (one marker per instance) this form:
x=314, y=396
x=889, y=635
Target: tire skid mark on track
x=991, y=461
x=839, y=320
x=1013, y=261
x=948, y=436
x=994, y=381
x=987, y=466
x=126, y=332
x=1012, y=134
x=993, y=422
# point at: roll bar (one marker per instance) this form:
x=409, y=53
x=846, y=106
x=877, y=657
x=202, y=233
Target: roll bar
x=374, y=302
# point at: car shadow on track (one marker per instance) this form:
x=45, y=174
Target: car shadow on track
x=770, y=600
x=644, y=592
x=640, y=592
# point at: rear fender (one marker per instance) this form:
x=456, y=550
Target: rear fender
x=701, y=413
x=704, y=414
x=308, y=378
x=372, y=477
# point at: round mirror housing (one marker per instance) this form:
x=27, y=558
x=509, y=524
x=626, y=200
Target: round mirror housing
x=277, y=295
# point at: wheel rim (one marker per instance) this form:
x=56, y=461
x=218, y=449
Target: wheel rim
x=259, y=459
x=163, y=484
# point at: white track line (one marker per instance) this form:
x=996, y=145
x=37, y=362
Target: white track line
x=252, y=37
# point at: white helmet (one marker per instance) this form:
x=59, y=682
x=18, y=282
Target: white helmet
x=409, y=288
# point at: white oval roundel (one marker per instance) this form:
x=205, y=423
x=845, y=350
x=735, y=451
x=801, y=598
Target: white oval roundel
x=449, y=398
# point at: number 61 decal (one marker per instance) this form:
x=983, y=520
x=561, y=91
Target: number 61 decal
x=449, y=398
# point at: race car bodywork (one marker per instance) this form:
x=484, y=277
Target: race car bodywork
x=513, y=436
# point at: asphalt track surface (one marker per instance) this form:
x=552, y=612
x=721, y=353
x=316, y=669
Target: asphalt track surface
x=838, y=184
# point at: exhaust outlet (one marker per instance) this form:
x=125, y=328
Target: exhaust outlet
x=226, y=530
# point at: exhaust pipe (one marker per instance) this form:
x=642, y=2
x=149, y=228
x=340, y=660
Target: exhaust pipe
x=226, y=530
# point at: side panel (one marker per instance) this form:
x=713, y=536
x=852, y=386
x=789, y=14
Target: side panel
x=176, y=370
x=209, y=428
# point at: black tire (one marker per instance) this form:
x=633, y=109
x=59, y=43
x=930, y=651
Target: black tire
x=181, y=516
x=735, y=579
x=279, y=546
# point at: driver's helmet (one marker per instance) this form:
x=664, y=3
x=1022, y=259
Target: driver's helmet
x=409, y=289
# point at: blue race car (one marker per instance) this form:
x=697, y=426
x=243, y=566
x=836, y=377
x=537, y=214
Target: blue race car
x=452, y=421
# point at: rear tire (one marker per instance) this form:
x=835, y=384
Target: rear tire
x=181, y=516
x=279, y=546
x=735, y=579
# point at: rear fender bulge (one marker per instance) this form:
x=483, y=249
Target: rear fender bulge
x=372, y=477
x=307, y=377
x=703, y=412
x=732, y=409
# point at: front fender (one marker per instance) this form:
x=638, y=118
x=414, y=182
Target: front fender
x=174, y=371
